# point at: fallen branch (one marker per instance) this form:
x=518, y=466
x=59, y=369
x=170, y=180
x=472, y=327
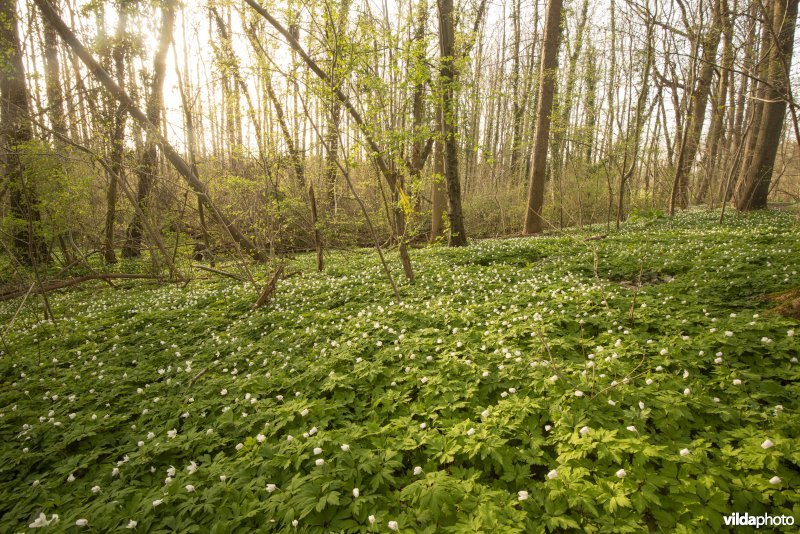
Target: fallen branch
x=595, y=237
x=636, y=292
x=196, y=377
x=291, y=274
x=270, y=288
x=21, y=304
x=61, y=284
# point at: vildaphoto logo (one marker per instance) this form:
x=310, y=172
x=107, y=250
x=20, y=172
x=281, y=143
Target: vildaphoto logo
x=758, y=521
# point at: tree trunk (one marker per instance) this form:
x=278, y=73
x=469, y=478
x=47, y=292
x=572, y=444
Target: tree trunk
x=759, y=72
x=439, y=192
x=55, y=104
x=449, y=80
x=421, y=137
x=314, y=221
x=717, y=127
x=55, y=99
x=757, y=177
x=590, y=105
x=547, y=83
x=117, y=139
x=694, y=126
x=517, y=102
x=148, y=166
x=15, y=128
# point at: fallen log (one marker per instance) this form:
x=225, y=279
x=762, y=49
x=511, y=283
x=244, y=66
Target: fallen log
x=61, y=284
x=595, y=237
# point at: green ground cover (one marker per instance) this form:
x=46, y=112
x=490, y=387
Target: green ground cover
x=516, y=388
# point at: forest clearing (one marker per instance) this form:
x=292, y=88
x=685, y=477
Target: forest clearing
x=399, y=265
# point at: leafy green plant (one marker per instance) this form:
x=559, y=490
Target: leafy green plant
x=514, y=389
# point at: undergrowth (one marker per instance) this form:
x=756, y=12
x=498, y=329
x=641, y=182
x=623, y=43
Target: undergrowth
x=637, y=382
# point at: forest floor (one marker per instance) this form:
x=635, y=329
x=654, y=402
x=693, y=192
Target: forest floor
x=641, y=381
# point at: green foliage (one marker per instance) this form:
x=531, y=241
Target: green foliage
x=645, y=213
x=61, y=187
x=504, y=394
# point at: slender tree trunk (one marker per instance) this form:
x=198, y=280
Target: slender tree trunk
x=314, y=221
x=717, y=127
x=449, y=81
x=55, y=104
x=334, y=119
x=547, y=83
x=148, y=166
x=697, y=112
x=439, y=192
x=590, y=105
x=519, y=97
x=55, y=99
x=420, y=132
x=117, y=139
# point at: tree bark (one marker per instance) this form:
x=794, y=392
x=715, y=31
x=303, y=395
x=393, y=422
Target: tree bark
x=448, y=80
x=117, y=139
x=420, y=76
x=547, y=86
x=758, y=72
x=439, y=193
x=757, y=177
x=694, y=126
x=717, y=128
x=518, y=102
x=55, y=99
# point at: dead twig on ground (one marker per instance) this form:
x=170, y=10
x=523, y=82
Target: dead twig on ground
x=269, y=289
